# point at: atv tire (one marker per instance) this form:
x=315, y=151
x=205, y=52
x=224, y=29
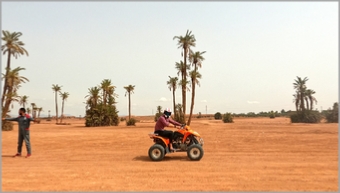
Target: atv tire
x=195, y=152
x=156, y=152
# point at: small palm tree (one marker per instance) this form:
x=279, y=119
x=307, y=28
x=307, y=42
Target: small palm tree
x=92, y=97
x=56, y=88
x=300, y=86
x=129, y=89
x=106, y=87
x=14, y=81
x=172, y=85
x=39, y=110
x=311, y=98
x=13, y=47
x=23, y=101
x=64, y=97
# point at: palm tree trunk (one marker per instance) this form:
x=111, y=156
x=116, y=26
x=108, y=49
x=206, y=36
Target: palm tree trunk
x=129, y=106
x=192, y=101
x=173, y=100
x=56, y=106
x=184, y=87
x=7, y=102
x=8, y=68
x=62, y=111
x=307, y=103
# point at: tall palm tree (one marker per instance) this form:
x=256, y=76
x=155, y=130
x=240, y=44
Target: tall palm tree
x=300, y=86
x=172, y=85
x=196, y=59
x=195, y=76
x=185, y=43
x=129, y=89
x=14, y=81
x=311, y=98
x=23, y=101
x=64, y=97
x=13, y=47
x=56, y=88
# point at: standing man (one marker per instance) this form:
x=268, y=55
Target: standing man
x=23, y=131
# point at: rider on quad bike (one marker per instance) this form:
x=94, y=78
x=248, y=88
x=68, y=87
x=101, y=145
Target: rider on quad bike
x=164, y=121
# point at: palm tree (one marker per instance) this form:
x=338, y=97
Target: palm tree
x=172, y=84
x=13, y=47
x=300, y=86
x=56, y=88
x=14, y=81
x=39, y=110
x=159, y=109
x=29, y=111
x=312, y=99
x=23, y=101
x=64, y=97
x=34, y=109
x=185, y=42
x=296, y=100
x=195, y=76
x=196, y=59
x=93, y=97
x=129, y=89
x=105, y=86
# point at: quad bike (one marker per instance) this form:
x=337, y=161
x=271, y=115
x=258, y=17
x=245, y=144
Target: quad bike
x=185, y=140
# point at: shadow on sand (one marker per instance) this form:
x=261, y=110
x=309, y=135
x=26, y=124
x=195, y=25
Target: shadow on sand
x=146, y=158
x=7, y=156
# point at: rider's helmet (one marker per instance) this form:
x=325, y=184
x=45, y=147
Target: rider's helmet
x=167, y=112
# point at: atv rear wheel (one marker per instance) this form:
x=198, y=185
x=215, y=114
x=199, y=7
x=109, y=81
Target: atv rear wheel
x=195, y=152
x=156, y=152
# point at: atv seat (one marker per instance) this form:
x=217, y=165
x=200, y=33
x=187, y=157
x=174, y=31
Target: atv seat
x=151, y=135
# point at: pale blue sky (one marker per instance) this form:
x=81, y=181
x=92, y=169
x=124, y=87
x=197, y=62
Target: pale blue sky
x=254, y=51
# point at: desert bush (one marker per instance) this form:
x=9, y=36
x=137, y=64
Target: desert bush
x=227, y=118
x=332, y=115
x=131, y=122
x=7, y=126
x=306, y=116
x=199, y=115
x=272, y=115
x=218, y=116
x=122, y=119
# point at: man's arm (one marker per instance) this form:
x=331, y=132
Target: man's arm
x=11, y=119
x=174, y=122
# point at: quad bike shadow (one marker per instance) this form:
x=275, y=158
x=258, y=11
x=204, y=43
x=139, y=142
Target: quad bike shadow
x=185, y=140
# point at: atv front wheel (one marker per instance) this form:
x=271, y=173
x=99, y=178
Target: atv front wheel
x=195, y=152
x=156, y=152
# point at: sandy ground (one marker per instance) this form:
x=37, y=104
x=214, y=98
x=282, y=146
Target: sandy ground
x=258, y=154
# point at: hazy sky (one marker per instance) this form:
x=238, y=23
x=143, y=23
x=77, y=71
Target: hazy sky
x=254, y=51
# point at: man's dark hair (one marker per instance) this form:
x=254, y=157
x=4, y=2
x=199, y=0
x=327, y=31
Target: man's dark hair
x=23, y=110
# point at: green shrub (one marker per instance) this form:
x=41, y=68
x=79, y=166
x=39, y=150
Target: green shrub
x=227, y=118
x=272, y=115
x=218, y=116
x=306, y=116
x=332, y=116
x=199, y=115
x=157, y=115
x=7, y=126
x=131, y=122
x=122, y=119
